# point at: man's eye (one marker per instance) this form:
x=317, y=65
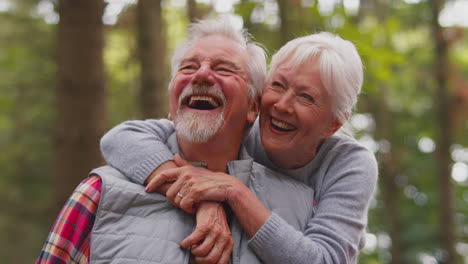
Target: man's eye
x=187, y=67
x=224, y=70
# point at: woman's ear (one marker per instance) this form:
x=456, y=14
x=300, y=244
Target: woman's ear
x=334, y=126
x=254, y=108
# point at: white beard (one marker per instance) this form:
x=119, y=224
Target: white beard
x=198, y=127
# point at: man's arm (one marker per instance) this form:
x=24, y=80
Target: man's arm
x=137, y=148
x=68, y=241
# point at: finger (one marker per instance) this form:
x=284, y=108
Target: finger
x=188, y=203
x=179, y=161
x=173, y=194
x=168, y=175
x=226, y=254
x=207, y=244
x=212, y=257
x=194, y=239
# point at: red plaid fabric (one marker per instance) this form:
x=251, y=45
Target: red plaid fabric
x=68, y=241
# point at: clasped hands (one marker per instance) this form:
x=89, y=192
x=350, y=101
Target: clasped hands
x=201, y=191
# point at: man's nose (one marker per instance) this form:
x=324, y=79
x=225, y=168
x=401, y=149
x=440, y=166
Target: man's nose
x=204, y=76
x=285, y=103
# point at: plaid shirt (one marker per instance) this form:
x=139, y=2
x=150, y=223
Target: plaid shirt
x=68, y=241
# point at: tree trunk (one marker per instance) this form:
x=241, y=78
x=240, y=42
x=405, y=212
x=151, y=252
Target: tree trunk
x=444, y=137
x=192, y=11
x=285, y=28
x=151, y=44
x=247, y=21
x=388, y=166
x=388, y=161
x=80, y=94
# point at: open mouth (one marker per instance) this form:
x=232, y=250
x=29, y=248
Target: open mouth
x=281, y=126
x=202, y=102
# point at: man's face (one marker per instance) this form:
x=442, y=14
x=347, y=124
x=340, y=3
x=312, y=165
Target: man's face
x=209, y=90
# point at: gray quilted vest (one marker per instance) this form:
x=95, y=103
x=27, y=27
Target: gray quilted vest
x=133, y=226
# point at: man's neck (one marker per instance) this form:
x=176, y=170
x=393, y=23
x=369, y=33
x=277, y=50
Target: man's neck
x=216, y=153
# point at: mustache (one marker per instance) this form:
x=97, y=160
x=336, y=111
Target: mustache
x=202, y=89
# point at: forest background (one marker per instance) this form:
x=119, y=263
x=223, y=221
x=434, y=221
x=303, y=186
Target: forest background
x=72, y=69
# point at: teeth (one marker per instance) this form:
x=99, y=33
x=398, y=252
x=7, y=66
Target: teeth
x=208, y=99
x=281, y=124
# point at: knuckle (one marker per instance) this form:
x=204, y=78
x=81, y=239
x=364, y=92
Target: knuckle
x=217, y=231
x=204, y=228
x=210, y=259
x=200, y=252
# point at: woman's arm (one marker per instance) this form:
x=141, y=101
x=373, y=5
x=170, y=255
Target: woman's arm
x=137, y=148
x=335, y=233
x=193, y=185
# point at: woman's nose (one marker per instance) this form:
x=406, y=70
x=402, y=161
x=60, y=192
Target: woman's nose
x=285, y=103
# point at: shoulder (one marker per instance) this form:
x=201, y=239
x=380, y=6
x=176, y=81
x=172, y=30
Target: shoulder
x=349, y=149
x=348, y=160
x=87, y=194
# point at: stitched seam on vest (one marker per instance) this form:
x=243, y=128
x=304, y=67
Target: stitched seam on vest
x=147, y=260
x=136, y=235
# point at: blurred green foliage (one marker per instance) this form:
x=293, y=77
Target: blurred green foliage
x=397, y=50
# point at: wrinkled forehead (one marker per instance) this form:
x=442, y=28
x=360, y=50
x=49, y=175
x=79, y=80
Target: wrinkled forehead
x=218, y=48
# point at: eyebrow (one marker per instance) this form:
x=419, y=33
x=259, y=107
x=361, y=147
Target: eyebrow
x=191, y=59
x=300, y=88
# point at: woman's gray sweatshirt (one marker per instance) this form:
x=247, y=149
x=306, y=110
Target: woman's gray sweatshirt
x=343, y=175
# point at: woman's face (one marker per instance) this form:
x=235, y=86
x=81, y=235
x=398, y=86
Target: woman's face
x=295, y=114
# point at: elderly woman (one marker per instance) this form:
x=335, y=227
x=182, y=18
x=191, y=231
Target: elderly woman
x=312, y=87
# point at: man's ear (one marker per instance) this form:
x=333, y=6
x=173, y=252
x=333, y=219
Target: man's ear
x=254, y=108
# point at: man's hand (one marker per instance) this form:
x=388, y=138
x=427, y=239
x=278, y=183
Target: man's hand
x=211, y=242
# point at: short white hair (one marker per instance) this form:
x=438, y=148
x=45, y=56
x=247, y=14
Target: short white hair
x=255, y=54
x=340, y=67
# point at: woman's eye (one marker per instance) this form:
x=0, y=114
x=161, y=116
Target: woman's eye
x=307, y=97
x=277, y=84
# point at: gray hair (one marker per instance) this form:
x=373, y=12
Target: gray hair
x=340, y=67
x=255, y=54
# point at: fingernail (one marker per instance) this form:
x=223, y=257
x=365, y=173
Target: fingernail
x=146, y=189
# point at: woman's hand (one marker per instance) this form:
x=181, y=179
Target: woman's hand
x=191, y=185
x=162, y=189
x=211, y=242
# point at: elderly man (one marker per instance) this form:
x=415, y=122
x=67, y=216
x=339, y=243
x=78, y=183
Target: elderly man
x=216, y=79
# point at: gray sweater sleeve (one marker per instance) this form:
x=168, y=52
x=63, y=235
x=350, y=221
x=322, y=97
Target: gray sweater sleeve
x=137, y=148
x=335, y=233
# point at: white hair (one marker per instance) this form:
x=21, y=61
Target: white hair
x=255, y=54
x=340, y=67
